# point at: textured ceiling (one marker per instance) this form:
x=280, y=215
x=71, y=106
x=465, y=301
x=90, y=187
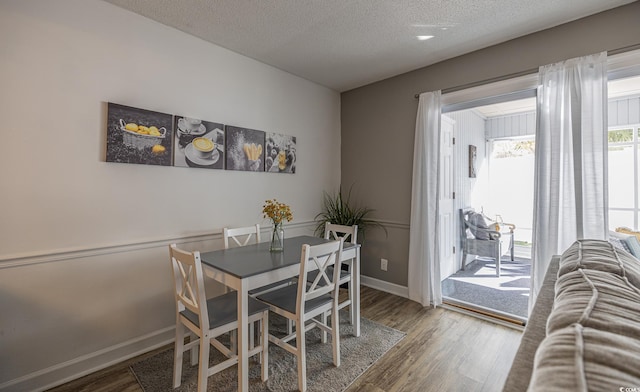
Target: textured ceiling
x=343, y=44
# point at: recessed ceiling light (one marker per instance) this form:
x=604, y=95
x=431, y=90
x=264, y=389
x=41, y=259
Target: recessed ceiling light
x=424, y=37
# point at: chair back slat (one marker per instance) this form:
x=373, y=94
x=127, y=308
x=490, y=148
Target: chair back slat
x=335, y=232
x=319, y=257
x=241, y=236
x=189, y=283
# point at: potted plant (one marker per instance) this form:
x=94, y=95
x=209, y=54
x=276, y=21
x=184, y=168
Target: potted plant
x=339, y=210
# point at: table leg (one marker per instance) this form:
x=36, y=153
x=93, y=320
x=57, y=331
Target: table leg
x=355, y=283
x=243, y=338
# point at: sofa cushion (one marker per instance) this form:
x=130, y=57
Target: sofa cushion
x=596, y=299
x=585, y=359
x=600, y=255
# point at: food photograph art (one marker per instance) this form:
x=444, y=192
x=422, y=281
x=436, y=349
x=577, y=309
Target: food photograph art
x=138, y=136
x=198, y=143
x=245, y=149
x=280, y=156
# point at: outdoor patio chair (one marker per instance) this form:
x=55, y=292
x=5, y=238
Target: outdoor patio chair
x=482, y=239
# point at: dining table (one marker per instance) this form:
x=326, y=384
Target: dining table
x=252, y=266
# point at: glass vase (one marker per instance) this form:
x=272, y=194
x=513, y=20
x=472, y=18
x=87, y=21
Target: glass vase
x=277, y=238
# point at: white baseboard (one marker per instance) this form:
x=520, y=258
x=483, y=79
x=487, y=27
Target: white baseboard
x=59, y=374
x=401, y=291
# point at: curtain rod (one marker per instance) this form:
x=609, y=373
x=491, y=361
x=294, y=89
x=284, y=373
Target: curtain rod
x=522, y=73
x=485, y=81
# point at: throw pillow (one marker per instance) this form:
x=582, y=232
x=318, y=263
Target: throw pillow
x=619, y=244
x=628, y=238
x=478, y=221
x=633, y=244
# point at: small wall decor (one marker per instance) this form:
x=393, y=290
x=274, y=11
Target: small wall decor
x=198, y=143
x=138, y=136
x=280, y=153
x=244, y=149
x=472, y=161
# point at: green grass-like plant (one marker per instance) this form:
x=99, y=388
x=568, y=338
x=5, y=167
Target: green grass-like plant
x=338, y=210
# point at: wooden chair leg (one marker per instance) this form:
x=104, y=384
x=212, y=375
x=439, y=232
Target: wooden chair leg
x=194, y=349
x=233, y=336
x=252, y=336
x=289, y=327
x=323, y=334
x=302, y=361
x=203, y=366
x=264, y=342
x=335, y=334
x=177, y=355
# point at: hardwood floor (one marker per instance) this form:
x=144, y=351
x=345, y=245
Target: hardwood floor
x=443, y=351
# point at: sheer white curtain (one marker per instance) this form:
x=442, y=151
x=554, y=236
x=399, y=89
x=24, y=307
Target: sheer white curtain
x=571, y=159
x=424, y=261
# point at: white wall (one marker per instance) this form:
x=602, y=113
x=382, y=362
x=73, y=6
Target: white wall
x=512, y=125
x=624, y=111
x=84, y=273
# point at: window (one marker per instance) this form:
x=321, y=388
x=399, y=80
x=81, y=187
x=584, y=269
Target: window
x=623, y=176
x=511, y=171
x=624, y=145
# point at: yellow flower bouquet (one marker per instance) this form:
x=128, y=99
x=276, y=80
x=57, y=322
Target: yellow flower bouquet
x=277, y=212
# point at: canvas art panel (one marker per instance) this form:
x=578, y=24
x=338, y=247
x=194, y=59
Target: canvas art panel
x=138, y=136
x=244, y=148
x=280, y=153
x=472, y=161
x=198, y=143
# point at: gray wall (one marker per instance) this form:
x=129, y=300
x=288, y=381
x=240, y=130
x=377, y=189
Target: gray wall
x=378, y=120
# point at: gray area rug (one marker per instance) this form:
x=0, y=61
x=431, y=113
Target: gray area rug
x=357, y=355
x=479, y=285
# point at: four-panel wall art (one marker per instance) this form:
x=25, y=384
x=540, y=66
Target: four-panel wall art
x=152, y=138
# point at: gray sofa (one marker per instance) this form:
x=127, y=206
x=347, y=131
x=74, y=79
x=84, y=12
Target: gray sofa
x=584, y=331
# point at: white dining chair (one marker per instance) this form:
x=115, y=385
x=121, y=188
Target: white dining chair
x=207, y=319
x=241, y=236
x=348, y=234
x=302, y=303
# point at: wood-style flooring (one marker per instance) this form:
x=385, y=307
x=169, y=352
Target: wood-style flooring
x=443, y=351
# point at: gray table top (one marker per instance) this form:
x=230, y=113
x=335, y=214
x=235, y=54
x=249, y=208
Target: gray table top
x=250, y=260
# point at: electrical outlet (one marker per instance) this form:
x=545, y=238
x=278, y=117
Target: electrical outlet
x=383, y=264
